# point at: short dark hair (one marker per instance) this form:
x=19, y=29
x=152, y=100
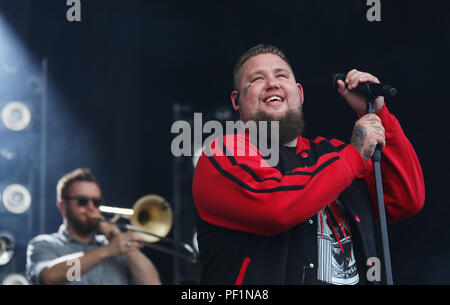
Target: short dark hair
x=79, y=174
x=256, y=50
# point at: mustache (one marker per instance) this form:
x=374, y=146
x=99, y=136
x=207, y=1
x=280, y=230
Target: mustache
x=80, y=227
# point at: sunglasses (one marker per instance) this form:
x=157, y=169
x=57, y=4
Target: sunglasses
x=84, y=201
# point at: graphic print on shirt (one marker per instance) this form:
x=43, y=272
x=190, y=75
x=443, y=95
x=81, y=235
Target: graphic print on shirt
x=336, y=261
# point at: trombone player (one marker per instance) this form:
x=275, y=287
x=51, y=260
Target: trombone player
x=112, y=258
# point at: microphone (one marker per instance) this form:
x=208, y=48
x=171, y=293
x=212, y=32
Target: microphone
x=367, y=89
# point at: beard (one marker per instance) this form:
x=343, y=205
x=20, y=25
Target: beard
x=80, y=227
x=291, y=124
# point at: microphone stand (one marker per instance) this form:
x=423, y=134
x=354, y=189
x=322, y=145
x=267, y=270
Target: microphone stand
x=376, y=158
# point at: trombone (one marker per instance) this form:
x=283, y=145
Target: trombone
x=151, y=217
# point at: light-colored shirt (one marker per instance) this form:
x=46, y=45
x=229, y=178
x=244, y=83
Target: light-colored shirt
x=44, y=249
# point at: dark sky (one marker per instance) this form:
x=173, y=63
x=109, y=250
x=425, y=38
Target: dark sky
x=115, y=76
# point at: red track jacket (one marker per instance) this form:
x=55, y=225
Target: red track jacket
x=244, y=207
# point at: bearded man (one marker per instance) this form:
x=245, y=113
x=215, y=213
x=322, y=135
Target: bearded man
x=102, y=253
x=311, y=218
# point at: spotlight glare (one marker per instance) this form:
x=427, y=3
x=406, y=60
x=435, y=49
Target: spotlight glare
x=16, y=116
x=15, y=279
x=16, y=198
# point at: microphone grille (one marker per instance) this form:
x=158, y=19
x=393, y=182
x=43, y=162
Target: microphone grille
x=335, y=77
x=390, y=91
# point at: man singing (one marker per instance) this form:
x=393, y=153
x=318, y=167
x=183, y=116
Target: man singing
x=311, y=218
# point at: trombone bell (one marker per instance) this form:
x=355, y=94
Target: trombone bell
x=152, y=213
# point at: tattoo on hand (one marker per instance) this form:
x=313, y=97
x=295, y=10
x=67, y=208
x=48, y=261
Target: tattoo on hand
x=358, y=137
x=368, y=152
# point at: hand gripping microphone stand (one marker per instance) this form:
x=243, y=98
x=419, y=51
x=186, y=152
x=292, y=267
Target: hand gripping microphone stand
x=376, y=158
x=370, y=97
